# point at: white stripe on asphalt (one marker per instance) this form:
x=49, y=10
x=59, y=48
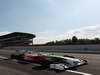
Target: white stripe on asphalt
x=2, y=57
x=82, y=73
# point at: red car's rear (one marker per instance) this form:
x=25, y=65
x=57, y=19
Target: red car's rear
x=34, y=58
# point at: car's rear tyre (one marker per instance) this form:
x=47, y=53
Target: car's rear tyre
x=12, y=56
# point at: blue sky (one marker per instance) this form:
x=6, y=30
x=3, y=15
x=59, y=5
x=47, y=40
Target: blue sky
x=48, y=19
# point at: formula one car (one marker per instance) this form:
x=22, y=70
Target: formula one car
x=49, y=60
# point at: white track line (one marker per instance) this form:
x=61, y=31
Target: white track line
x=82, y=73
x=3, y=58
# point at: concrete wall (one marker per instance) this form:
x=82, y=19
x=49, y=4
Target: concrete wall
x=65, y=48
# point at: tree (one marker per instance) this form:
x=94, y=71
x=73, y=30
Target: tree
x=50, y=43
x=97, y=40
x=74, y=40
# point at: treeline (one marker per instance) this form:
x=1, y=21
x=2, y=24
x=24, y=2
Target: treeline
x=74, y=41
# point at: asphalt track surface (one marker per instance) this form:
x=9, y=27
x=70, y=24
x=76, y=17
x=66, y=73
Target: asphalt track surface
x=11, y=67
